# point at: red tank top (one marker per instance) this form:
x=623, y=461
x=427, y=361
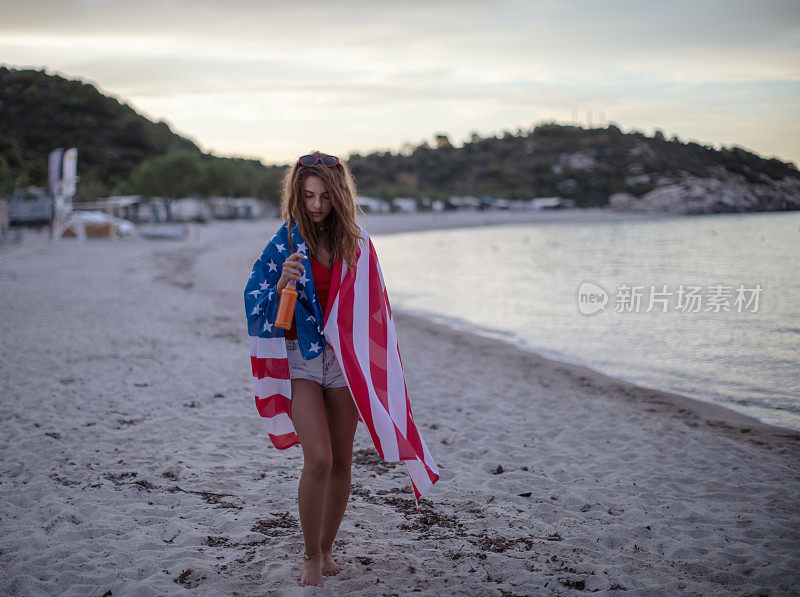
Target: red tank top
x=322, y=281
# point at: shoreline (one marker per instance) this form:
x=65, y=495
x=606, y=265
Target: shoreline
x=727, y=413
x=422, y=221
x=688, y=409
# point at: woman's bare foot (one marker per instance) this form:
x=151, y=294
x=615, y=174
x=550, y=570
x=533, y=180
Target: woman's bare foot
x=328, y=566
x=312, y=572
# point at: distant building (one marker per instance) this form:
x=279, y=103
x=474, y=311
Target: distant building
x=188, y=209
x=491, y=203
x=373, y=205
x=97, y=224
x=404, y=204
x=146, y=210
x=153, y=209
x=428, y=204
x=134, y=208
x=229, y=208
x=119, y=206
x=438, y=205
x=464, y=203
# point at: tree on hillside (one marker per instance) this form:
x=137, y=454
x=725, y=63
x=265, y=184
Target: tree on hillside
x=176, y=174
x=443, y=142
x=184, y=174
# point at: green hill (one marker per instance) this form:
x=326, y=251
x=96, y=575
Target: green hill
x=586, y=165
x=39, y=112
x=121, y=151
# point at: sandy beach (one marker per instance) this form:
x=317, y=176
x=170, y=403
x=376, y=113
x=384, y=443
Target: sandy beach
x=134, y=461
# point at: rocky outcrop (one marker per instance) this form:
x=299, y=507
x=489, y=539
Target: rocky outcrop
x=723, y=193
x=579, y=160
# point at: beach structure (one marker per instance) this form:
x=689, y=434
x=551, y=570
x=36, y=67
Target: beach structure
x=97, y=224
x=404, y=204
x=140, y=209
x=428, y=204
x=151, y=210
x=538, y=203
x=373, y=205
x=127, y=207
x=235, y=208
x=125, y=215
x=464, y=203
x=189, y=208
x=62, y=172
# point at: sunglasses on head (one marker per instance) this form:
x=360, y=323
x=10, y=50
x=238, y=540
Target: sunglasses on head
x=311, y=160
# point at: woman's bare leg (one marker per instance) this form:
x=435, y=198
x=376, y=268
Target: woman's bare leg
x=342, y=423
x=310, y=421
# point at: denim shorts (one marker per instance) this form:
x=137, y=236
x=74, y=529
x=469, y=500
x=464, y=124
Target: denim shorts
x=323, y=369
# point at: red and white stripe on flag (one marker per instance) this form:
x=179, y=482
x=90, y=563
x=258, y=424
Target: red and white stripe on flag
x=273, y=389
x=361, y=330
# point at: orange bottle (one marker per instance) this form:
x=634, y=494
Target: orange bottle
x=286, y=307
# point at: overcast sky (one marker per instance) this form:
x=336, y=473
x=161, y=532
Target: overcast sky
x=273, y=80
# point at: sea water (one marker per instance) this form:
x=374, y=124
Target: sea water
x=717, y=315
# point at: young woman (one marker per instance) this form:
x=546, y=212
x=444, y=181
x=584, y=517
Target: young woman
x=304, y=375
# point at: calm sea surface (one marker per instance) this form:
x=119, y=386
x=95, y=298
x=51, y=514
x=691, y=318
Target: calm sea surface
x=521, y=283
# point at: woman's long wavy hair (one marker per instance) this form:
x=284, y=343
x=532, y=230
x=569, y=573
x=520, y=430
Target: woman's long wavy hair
x=341, y=224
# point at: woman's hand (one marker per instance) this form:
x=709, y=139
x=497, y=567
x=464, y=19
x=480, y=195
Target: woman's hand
x=292, y=270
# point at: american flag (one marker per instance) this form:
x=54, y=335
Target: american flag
x=360, y=329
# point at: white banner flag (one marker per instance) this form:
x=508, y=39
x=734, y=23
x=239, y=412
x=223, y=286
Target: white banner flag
x=54, y=171
x=70, y=172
